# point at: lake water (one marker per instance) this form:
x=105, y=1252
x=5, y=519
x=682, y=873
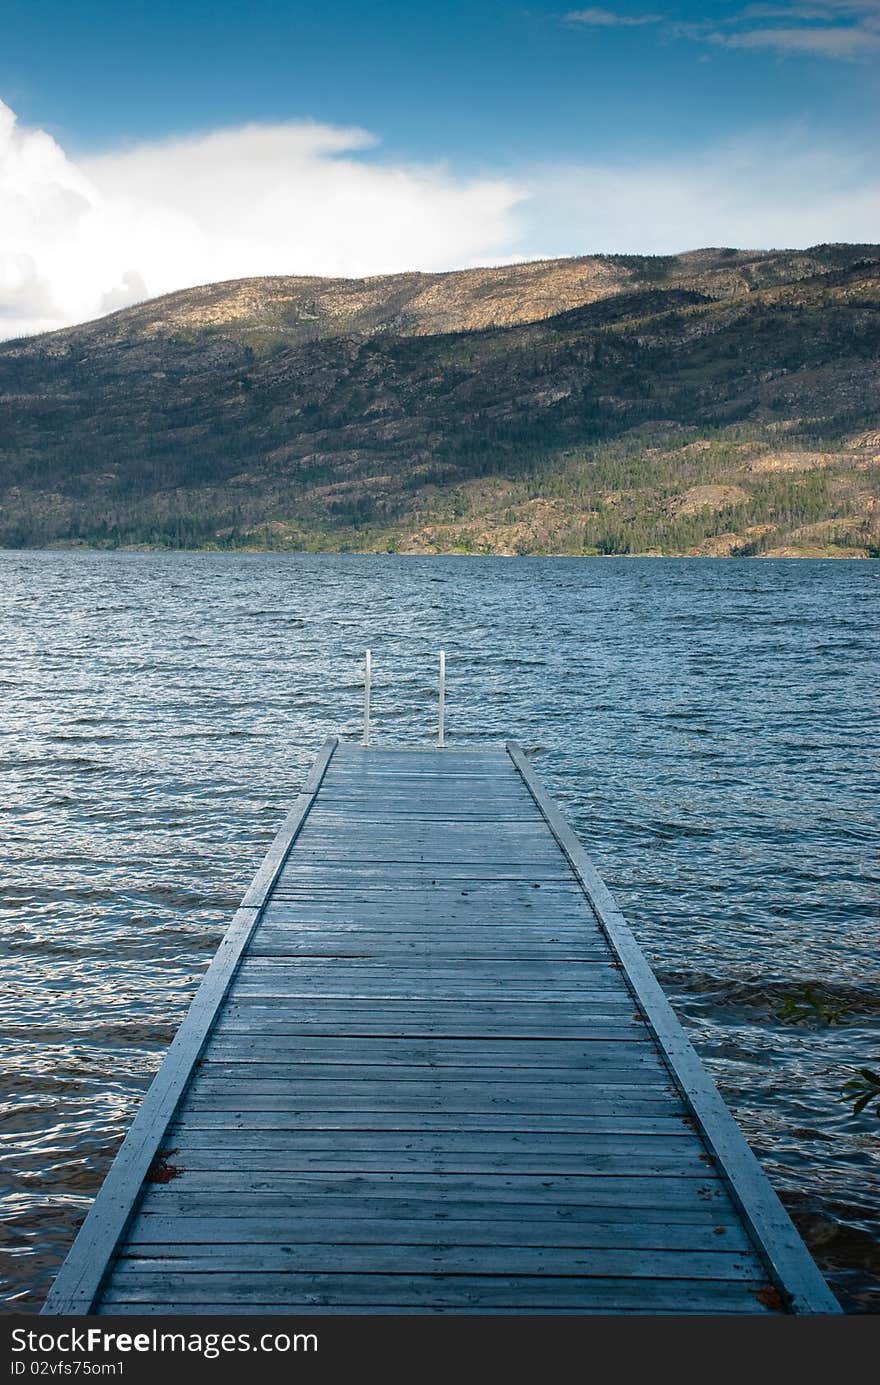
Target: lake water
x=709, y=727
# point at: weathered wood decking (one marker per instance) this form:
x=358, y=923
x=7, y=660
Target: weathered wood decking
x=430, y=1071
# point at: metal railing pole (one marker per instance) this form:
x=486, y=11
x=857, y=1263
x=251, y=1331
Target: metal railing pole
x=442, y=709
x=368, y=676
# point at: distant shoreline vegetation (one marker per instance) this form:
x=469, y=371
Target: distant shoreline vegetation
x=835, y=554
x=681, y=494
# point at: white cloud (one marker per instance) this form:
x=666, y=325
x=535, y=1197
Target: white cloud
x=755, y=192
x=847, y=30
x=79, y=240
x=866, y=10
x=597, y=18
x=843, y=30
x=834, y=41
x=812, y=10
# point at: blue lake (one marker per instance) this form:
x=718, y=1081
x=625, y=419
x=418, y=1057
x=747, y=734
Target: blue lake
x=710, y=727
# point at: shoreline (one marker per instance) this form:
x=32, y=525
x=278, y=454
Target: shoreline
x=773, y=556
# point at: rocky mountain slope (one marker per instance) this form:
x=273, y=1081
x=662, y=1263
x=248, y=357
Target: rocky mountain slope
x=716, y=402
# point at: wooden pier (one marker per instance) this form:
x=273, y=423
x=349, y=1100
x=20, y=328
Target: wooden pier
x=430, y=1071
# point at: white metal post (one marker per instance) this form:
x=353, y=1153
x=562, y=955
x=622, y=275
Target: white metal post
x=368, y=674
x=442, y=738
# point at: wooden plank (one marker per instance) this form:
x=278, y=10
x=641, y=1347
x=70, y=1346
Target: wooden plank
x=544, y=972
x=416, y=875
x=602, y=1082
x=466, y=909
x=586, y=976
x=681, y=1148
x=272, y=943
x=459, y=924
x=528, y=1227
x=600, y=1189
x=416, y=878
x=265, y=1094
x=116, y=1309
x=629, y=1095
x=304, y=1077
x=640, y=1067
x=446, y=938
x=438, y=899
x=403, y=776
x=80, y=1275
x=434, y=811
x=791, y=1265
x=238, y=1022
x=138, y=1263
x=458, y=921
x=587, y=979
x=352, y=981
x=335, y=827
x=634, y=1205
x=268, y=1292
x=602, y=1007
x=633, y=1105
x=384, y=995
x=223, y=1310
x=459, y=801
x=353, y=853
x=477, y=901
x=219, y=1113
x=303, y=1054
x=329, y=1158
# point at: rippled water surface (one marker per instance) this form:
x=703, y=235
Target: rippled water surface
x=708, y=726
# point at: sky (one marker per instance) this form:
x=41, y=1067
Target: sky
x=146, y=148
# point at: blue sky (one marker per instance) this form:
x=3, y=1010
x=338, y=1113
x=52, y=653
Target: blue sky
x=379, y=136
x=491, y=81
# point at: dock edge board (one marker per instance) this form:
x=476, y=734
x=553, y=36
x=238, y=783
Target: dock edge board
x=792, y=1268
x=79, y=1279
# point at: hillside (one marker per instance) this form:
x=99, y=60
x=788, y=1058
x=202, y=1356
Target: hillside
x=718, y=402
